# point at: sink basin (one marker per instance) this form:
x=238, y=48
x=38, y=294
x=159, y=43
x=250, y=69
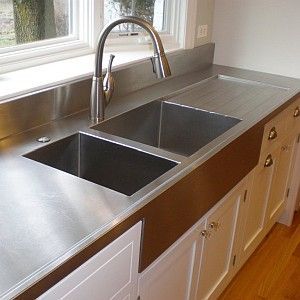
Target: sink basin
x=108, y=164
x=176, y=128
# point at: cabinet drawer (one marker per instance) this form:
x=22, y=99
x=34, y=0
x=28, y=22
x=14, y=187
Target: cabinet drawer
x=293, y=118
x=274, y=132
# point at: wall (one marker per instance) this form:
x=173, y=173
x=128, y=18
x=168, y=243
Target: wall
x=262, y=35
x=205, y=12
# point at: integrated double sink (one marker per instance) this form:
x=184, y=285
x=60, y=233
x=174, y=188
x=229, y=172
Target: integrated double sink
x=119, y=166
x=175, y=128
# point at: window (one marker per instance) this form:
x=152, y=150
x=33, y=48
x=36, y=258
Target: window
x=21, y=22
x=37, y=31
x=161, y=13
x=154, y=11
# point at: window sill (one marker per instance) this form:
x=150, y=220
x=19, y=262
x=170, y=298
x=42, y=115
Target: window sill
x=34, y=79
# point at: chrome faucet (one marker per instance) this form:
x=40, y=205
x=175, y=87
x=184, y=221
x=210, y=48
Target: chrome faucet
x=102, y=89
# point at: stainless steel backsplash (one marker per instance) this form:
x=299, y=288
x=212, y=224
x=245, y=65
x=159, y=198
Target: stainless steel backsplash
x=28, y=111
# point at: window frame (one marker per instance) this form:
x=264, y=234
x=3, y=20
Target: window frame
x=87, y=26
x=38, y=44
x=90, y=21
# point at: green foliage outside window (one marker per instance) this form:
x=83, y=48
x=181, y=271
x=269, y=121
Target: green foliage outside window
x=139, y=8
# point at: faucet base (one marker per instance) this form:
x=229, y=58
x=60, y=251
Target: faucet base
x=97, y=100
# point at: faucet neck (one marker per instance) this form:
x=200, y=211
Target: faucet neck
x=157, y=44
x=159, y=61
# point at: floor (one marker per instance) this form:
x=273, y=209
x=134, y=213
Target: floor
x=273, y=270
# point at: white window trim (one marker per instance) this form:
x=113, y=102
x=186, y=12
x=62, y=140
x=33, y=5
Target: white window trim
x=181, y=35
x=190, y=24
x=82, y=42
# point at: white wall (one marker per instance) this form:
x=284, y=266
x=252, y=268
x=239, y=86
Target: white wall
x=205, y=13
x=262, y=35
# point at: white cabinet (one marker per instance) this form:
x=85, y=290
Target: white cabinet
x=267, y=198
x=219, y=249
x=172, y=276
x=278, y=189
x=293, y=184
x=200, y=264
x=254, y=206
x=293, y=130
x=110, y=274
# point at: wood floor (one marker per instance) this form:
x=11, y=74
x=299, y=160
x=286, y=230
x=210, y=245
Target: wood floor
x=273, y=271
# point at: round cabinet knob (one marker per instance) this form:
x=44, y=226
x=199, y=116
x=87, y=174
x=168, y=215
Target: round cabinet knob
x=214, y=225
x=269, y=161
x=297, y=112
x=272, y=134
x=285, y=148
x=205, y=233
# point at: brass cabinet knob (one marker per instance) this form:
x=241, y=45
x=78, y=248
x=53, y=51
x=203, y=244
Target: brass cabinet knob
x=269, y=161
x=297, y=112
x=272, y=134
x=205, y=233
x=214, y=225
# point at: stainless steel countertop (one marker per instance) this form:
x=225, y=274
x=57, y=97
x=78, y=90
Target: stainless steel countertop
x=47, y=216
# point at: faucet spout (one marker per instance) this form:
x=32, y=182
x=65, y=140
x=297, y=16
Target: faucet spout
x=160, y=65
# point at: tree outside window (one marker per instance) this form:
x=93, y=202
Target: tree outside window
x=26, y=21
x=146, y=9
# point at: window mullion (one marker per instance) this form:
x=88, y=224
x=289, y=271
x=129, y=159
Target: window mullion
x=133, y=14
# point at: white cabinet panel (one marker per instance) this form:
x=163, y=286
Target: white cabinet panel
x=293, y=185
x=217, y=254
x=172, y=276
x=278, y=190
x=110, y=274
x=253, y=209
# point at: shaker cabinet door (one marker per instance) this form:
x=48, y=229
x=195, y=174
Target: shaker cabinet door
x=217, y=255
x=254, y=211
x=173, y=275
x=110, y=274
x=278, y=190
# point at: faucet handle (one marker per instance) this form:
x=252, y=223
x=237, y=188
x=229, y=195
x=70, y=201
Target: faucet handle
x=111, y=58
x=108, y=81
x=160, y=65
x=153, y=64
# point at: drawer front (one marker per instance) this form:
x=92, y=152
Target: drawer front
x=274, y=132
